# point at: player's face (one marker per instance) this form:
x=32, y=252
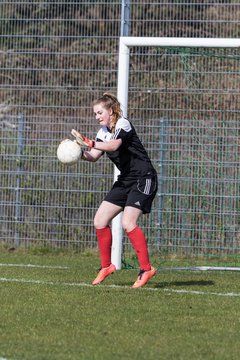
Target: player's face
x=102, y=115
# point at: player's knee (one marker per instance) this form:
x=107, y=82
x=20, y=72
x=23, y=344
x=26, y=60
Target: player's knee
x=128, y=225
x=97, y=222
x=100, y=222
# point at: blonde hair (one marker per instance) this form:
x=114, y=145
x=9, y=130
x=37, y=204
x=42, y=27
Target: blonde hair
x=110, y=101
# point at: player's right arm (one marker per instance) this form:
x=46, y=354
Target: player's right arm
x=93, y=155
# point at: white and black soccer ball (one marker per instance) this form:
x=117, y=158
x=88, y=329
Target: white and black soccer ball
x=68, y=152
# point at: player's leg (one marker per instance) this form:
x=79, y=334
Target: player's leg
x=104, y=215
x=139, y=243
x=106, y=212
x=136, y=235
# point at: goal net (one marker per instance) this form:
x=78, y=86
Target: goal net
x=183, y=97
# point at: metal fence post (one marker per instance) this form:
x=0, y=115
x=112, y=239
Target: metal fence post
x=161, y=166
x=161, y=177
x=125, y=18
x=18, y=205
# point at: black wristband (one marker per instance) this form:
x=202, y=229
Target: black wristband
x=82, y=155
x=93, y=143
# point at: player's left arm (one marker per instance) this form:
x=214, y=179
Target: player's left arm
x=109, y=146
x=99, y=147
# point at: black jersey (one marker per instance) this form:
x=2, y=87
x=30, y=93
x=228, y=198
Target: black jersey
x=131, y=157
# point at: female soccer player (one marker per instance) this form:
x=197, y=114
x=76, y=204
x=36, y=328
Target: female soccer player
x=132, y=193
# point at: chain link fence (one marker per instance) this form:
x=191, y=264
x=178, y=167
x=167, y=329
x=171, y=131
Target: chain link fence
x=58, y=56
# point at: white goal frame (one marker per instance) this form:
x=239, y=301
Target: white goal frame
x=125, y=43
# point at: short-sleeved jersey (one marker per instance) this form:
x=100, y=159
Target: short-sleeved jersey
x=131, y=157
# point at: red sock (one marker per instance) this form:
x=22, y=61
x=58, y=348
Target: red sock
x=138, y=240
x=104, y=237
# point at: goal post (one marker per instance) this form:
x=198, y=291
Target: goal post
x=125, y=43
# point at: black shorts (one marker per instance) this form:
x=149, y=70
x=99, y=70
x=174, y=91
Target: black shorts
x=136, y=193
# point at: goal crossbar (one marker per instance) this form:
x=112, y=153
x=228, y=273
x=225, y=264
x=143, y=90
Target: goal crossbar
x=127, y=41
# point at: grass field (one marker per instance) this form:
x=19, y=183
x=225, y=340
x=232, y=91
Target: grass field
x=50, y=311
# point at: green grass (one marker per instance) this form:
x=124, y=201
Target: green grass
x=54, y=313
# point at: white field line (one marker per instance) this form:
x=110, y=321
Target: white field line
x=202, y=268
x=33, y=266
x=193, y=268
x=181, y=291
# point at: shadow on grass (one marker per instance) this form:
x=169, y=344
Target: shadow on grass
x=162, y=285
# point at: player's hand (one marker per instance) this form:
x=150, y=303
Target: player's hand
x=82, y=140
